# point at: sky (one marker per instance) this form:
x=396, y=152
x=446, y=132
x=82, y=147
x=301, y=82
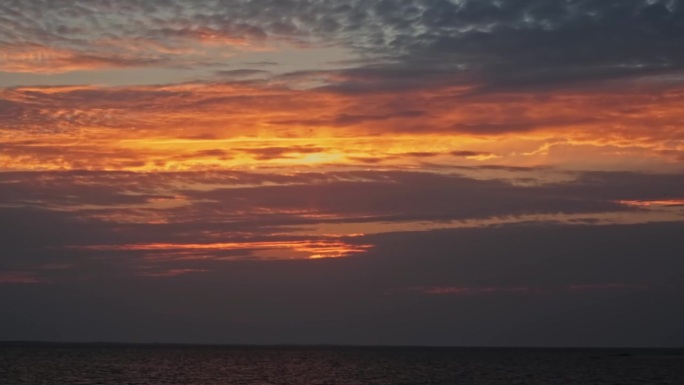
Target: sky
x=376, y=172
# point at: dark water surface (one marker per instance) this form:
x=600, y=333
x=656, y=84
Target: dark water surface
x=129, y=364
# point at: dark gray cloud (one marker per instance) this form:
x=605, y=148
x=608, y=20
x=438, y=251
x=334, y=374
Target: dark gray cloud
x=532, y=42
x=522, y=281
x=409, y=196
x=354, y=193
x=512, y=43
x=241, y=73
x=345, y=119
x=372, y=299
x=528, y=255
x=466, y=154
x=47, y=213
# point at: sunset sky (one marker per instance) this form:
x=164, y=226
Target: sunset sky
x=432, y=172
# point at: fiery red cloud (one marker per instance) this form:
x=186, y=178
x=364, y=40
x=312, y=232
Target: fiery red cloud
x=263, y=250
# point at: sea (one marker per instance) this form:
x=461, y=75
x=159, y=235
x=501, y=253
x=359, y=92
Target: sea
x=67, y=364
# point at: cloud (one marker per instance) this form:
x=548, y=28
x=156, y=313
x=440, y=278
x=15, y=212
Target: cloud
x=170, y=273
x=345, y=119
x=146, y=127
x=533, y=256
x=451, y=290
x=22, y=278
x=470, y=154
x=532, y=42
x=194, y=220
x=269, y=153
x=353, y=194
x=521, y=290
x=362, y=298
x=516, y=44
x=486, y=172
x=605, y=286
x=45, y=60
x=416, y=196
x=95, y=36
x=235, y=251
x=241, y=73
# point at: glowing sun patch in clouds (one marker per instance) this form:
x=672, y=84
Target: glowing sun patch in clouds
x=228, y=125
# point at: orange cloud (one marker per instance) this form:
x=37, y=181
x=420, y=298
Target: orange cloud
x=255, y=124
x=262, y=250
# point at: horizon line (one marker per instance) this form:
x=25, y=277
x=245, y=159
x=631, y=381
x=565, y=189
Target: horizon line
x=341, y=345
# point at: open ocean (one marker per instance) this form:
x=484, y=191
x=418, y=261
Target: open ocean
x=212, y=365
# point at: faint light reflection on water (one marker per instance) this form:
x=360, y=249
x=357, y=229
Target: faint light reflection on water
x=147, y=365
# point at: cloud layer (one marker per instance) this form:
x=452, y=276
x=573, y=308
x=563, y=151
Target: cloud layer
x=467, y=172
